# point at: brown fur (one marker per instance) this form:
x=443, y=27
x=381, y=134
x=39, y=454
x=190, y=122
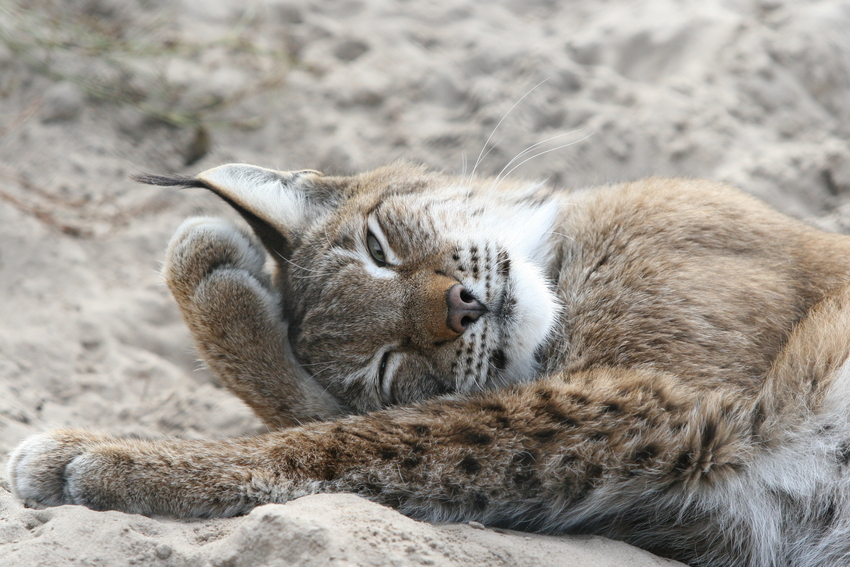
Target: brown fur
x=699, y=335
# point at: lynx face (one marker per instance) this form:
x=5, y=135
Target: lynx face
x=399, y=285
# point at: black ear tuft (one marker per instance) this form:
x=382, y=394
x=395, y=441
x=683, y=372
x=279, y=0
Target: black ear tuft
x=168, y=180
x=273, y=240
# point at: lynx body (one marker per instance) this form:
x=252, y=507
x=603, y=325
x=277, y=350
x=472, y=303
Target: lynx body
x=663, y=361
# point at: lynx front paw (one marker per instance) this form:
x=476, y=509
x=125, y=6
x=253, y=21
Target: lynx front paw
x=38, y=468
x=203, y=244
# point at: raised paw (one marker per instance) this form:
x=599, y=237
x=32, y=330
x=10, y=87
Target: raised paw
x=215, y=272
x=38, y=468
x=204, y=244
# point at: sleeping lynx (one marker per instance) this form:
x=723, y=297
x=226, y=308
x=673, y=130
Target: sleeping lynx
x=661, y=361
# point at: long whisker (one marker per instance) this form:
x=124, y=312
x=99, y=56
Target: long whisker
x=531, y=147
x=567, y=236
x=545, y=152
x=287, y=260
x=463, y=164
x=481, y=153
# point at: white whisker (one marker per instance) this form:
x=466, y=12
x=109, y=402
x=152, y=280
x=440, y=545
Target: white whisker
x=542, y=153
x=319, y=273
x=531, y=147
x=481, y=153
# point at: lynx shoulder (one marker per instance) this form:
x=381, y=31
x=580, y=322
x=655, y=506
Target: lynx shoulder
x=662, y=361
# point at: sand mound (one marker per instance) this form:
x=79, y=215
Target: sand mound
x=315, y=531
x=753, y=92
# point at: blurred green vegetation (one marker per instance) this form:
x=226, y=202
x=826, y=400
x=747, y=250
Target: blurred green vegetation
x=119, y=53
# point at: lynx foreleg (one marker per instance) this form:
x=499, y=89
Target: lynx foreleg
x=551, y=455
x=215, y=273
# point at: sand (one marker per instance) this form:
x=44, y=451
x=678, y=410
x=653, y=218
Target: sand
x=756, y=93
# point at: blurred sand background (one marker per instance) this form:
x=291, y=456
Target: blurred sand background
x=754, y=92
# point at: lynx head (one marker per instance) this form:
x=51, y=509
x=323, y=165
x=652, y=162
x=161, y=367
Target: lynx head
x=401, y=284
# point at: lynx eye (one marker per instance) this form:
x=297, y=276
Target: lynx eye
x=377, y=252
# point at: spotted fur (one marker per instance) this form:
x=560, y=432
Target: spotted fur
x=664, y=362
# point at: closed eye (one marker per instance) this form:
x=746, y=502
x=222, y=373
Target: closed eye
x=385, y=379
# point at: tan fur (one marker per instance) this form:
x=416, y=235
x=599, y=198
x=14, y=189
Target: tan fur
x=695, y=352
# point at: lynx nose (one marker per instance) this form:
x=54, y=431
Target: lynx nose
x=463, y=308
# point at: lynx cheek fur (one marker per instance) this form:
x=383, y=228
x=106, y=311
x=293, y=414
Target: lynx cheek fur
x=663, y=362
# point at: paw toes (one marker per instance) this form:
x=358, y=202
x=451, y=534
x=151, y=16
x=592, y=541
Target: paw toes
x=36, y=468
x=201, y=245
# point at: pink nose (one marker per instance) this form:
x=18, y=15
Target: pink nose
x=463, y=308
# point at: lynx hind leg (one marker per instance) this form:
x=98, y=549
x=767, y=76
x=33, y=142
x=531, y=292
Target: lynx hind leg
x=215, y=272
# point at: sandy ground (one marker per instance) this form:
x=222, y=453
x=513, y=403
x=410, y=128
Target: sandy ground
x=752, y=92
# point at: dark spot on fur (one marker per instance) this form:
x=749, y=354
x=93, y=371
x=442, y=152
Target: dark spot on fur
x=421, y=430
x=410, y=462
x=645, y=453
x=544, y=434
x=504, y=263
x=557, y=413
x=683, y=463
x=498, y=359
x=418, y=448
x=580, y=400
x=544, y=394
x=474, y=437
x=469, y=465
x=612, y=407
x=479, y=502
x=508, y=308
x=328, y=472
x=709, y=432
x=387, y=453
x=568, y=459
x=504, y=421
x=599, y=436
x=759, y=416
x=523, y=477
x=592, y=478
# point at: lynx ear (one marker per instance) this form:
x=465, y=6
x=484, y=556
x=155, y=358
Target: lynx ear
x=275, y=203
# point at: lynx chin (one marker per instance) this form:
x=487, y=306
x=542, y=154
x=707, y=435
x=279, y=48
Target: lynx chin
x=662, y=361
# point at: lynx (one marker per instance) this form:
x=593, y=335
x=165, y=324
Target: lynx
x=662, y=361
